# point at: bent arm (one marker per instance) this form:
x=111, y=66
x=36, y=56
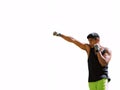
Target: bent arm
x=105, y=58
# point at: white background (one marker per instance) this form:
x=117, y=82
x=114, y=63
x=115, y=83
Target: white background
x=31, y=58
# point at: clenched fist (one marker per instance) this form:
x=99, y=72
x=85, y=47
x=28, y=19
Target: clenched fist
x=56, y=34
x=97, y=48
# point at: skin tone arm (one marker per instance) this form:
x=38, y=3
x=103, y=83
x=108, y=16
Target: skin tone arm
x=105, y=58
x=83, y=46
x=72, y=40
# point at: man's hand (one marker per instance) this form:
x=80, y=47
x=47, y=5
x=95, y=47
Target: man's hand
x=97, y=47
x=56, y=34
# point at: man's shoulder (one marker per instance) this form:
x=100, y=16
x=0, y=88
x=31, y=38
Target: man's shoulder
x=106, y=49
x=87, y=45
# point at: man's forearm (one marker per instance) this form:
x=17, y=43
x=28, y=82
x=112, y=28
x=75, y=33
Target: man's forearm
x=67, y=38
x=101, y=59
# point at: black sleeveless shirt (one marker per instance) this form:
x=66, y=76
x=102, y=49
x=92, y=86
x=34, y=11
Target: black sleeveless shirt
x=96, y=71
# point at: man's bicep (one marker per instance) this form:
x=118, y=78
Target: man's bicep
x=108, y=55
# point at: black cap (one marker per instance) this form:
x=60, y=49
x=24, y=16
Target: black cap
x=93, y=35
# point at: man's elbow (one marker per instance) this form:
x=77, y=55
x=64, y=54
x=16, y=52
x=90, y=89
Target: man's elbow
x=104, y=64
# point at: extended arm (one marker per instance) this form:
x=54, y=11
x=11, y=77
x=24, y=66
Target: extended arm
x=71, y=39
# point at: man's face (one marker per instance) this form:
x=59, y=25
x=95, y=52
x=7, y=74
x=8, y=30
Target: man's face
x=93, y=41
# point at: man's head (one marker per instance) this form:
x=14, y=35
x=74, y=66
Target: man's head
x=93, y=38
x=93, y=35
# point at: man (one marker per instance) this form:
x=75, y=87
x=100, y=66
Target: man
x=98, y=59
